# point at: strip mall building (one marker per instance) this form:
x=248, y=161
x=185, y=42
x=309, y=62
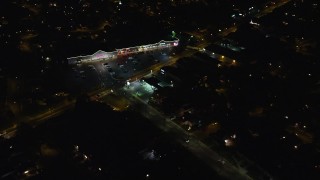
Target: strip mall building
x=102, y=55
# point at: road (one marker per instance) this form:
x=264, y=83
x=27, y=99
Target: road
x=220, y=164
x=270, y=9
x=157, y=67
x=59, y=109
x=66, y=105
x=225, y=169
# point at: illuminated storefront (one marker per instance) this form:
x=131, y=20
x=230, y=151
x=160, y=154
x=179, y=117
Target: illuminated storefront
x=102, y=55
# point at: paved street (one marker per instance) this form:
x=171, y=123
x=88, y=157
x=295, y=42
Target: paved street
x=104, y=80
x=198, y=148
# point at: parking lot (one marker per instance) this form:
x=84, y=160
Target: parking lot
x=111, y=73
